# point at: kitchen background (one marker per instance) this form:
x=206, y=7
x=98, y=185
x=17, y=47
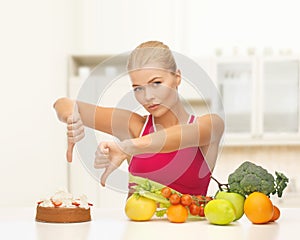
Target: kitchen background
x=250, y=49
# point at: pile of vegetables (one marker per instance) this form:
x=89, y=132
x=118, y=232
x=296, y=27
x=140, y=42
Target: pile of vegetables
x=246, y=179
x=167, y=198
x=249, y=178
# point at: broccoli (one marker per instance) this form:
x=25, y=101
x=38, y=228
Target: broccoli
x=248, y=178
x=281, y=183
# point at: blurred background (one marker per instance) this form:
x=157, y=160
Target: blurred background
x=250, y=50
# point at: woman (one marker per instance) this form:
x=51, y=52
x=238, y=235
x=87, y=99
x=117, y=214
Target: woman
x=169, y=146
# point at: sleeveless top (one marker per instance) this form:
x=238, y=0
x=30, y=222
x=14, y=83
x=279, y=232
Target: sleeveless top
x=184, y=170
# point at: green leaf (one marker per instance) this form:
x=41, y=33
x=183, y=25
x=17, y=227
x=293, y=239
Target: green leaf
x=161, y=212
x=280, y=183
x=148, y=184
x=156, y=197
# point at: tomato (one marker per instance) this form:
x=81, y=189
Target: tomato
x=203, y=199
x=194, y=209
x=166, y=192
x=208, y=198
x=186, y=200
x=276, y=214
x=201, y=212
x=174, y=199
x=200, y=198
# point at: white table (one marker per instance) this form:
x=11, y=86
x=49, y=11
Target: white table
x=113, y=224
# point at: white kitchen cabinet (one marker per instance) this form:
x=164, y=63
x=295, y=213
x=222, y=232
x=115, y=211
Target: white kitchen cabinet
x=236, y=83
x=280, y=95
x=197, y=88
x=261, y=99
x=85, y=84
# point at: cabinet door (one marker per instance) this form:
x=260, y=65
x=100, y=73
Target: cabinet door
x=235, y=80
x=281, y=96
x=81, y=173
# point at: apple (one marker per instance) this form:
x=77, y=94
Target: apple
x=236, y=199
x=219, y=212
x=139, y=208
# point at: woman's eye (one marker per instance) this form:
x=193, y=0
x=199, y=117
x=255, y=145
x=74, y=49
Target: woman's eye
x=137, y=89
x=155, y=84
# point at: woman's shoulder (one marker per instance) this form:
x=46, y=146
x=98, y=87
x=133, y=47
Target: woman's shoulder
x=137, y=123
x=212, y=120
x=209, y=116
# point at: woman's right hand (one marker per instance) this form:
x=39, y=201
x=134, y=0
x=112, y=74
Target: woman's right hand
x=75, y=131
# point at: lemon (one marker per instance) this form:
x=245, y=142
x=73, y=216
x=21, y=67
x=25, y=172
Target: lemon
x=139, y=208
x=219, y=211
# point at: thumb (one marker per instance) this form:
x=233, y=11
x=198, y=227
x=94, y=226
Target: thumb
x=76, y=111
x=106, y=173
x=104, y=148
x=70, y=151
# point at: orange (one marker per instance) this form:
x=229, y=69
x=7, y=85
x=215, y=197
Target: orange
x=276, y=214
x=177, y=213
x=258, y=208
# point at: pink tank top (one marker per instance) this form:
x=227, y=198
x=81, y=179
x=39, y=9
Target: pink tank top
x=184, y=170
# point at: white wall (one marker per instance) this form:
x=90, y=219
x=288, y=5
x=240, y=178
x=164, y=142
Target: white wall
x=35, y=40
x=242, y=24
x=117, y=26
x=194, y=27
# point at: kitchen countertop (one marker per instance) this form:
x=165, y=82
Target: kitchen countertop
x=19, y=223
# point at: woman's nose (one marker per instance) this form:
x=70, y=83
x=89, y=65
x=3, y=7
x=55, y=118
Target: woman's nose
x=148, y=94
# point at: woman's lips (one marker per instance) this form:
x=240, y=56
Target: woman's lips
x=153, y=106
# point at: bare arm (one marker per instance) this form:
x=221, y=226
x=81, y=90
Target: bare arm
x=120, y=123
x=207, y=130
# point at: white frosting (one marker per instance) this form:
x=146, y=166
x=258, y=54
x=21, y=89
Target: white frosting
x=66, y=199
x=84, y=202
x=46, y=203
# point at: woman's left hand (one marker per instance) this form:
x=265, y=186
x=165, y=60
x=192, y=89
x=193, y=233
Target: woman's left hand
x=110, y=156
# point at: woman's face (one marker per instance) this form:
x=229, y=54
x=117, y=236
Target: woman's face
x=155, y=89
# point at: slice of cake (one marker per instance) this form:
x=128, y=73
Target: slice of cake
x=62, y=207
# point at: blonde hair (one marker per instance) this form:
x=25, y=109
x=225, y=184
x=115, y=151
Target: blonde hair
x=152, y=54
